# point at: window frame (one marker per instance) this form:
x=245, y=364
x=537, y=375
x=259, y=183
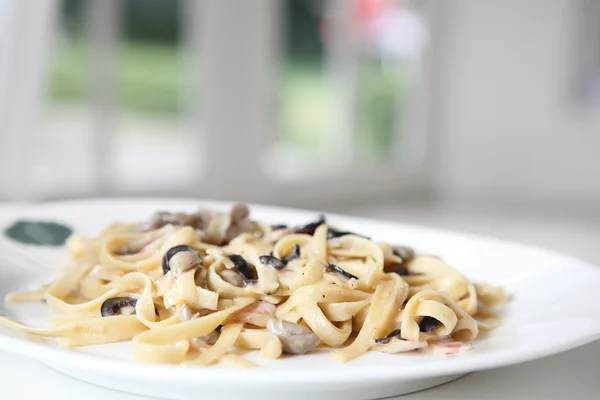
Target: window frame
x=246, y=180
x=222, y=36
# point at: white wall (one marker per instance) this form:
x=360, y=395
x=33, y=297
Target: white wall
x=508, y=128
x=25, y=31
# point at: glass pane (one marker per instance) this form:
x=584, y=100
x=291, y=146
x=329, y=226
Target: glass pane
x=350, y=72
x=391, y=37
x=151, y=150
x=303, y=86
x=146, y=149
x=303, y=90
x=64, y=135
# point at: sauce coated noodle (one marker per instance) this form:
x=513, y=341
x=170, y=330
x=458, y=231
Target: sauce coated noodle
x=203, y=304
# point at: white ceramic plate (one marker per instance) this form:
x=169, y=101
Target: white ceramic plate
x=554, y=307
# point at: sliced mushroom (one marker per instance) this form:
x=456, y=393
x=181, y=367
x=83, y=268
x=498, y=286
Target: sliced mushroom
x=212, y=227
x=240, y=222
x=397, y=345
x=257, y=314
x=183, y=261
x=275, y=235
x=187, y=314
x=180, y=258
x=200, y=343
x=137, y=245
x=239, y=212
x=404, y=252
x=232, y=277
x=226, y=226
x=295, y=338
x=118, y=306
x=160, y=219
x=200, y=277
x=210, y=237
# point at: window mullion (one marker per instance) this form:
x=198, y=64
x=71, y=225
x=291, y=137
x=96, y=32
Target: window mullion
x=342, y=58
x=26, y=33
x=240, y=45
x=104, y=19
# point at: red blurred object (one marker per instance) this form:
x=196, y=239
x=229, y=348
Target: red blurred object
x=366, y=12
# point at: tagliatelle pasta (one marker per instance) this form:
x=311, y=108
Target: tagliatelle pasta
x=205, y=287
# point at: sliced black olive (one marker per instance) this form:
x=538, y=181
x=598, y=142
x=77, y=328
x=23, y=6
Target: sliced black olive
x=295, y=253
x=309, y=229
x=428, y=324
x=388, y=338
x=242, y=266
x=341, y=271
x=249, y=282
x=404, y=252
x=333, y=233
x=272, y=261
x=115, y=306
x=174, y=250
x=383, y=340
x=395, y=332
x=398, y=268
x=277, y=227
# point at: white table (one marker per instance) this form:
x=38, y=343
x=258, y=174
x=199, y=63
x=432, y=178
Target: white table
x=571, y=375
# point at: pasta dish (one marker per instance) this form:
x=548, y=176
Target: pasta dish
x=205, y=287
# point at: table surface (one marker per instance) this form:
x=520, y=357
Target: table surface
x=570, y=375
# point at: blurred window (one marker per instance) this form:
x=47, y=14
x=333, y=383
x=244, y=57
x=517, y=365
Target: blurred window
x=118, y=126
x=125, y=95
x=65, y=138
x=349, y=76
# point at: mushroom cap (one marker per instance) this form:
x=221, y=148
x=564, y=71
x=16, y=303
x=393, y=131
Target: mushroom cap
x=183, y=261
x=232, y=277
x=295, y=338
x=172, y=252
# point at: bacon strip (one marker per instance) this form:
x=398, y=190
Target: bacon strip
x=449, y=347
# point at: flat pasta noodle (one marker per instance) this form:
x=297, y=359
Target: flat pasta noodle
x=267, y=342
x=329, y=334
x=440, y=306
x=387, y=299
x=171, y=343
x=207, y=287
x=227, y=338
